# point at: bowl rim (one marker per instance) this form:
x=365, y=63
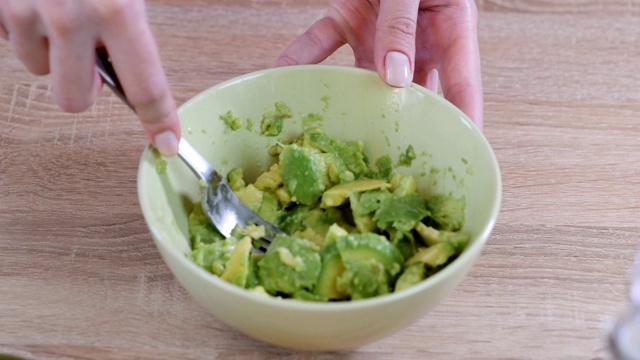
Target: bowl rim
x=470, y=253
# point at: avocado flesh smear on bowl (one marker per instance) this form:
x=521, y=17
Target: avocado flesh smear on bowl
x=356, y=230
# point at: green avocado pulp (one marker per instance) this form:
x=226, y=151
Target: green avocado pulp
x=355, y=230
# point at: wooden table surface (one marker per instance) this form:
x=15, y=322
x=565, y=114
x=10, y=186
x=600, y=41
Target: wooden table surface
x=81, y=278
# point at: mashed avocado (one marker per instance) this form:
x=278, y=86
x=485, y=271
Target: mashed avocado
x=355, y=230
x=273, y=121
x=232, y=122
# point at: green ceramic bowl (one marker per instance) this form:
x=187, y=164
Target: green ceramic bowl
x=453, y=156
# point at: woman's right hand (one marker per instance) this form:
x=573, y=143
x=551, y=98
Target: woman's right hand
x=60, y=37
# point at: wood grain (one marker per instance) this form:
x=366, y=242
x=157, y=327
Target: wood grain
x=81, y=278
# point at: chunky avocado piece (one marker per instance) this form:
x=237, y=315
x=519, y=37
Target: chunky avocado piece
x=250, y=196
x=363, y=247
x=370, y=201
x=237, y=271
x=385, y=167
x=289, y=265
x=364, y=279
x=412, y=275
x=291, y=218
x=303, y=173
x=404, y=241
x=363, y=205
x=255, y=232
x=269, y=207
x=235, y=178
x=434, y=255
x=335, y=231
x=350, y=153
x=332, y=268
x=214, y=257
x=283, y=196
x=337, y=170
x=447, y=211
x=311, y=235
x=273, y=121
x=401, y=213
x=402, y=185
x=320, y=220
x=201, y=231
x=432, y=236
x=253, y=280
x=361, y=217
x=270, y=180
x=338, y=195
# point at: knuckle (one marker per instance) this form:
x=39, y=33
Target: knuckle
x=153, y=104
x=314, y=39
x=147, y=95
x=60, y=19
x=117, y=13
x=19, y=16
x=400, y=27
x=286, y=60
x=73, y=104
x=112, y=9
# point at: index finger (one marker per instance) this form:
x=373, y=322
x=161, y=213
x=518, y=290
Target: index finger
x=135, y=58
x=395, y=41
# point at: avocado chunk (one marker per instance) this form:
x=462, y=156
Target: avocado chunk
x=237, y=271
x=401, y=213
x=214, y=257
x=355, y=248
x=363, y=205
x=269, y=207
x=434, y=255
x=303, y=173
x=385, y=167
x=412, y=275
x=270, y=180
x=201, y=231
x=332, y=268
x=235, y=178
x=337, y=171
x=251, y=197
x=338, y=195
x=364, y=279
x=432, y=236
x=334, y=232
x=403, y=185
x=289, y=265
x=349, y=153
x=253, y=280
x=273, y=121
x=318, y=221
x=370, y=263
x=447, y=211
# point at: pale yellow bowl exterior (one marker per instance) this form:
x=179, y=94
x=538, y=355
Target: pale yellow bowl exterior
x=453, y=156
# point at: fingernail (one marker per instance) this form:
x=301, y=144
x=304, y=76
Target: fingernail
x=398, y=70
x=167, y=143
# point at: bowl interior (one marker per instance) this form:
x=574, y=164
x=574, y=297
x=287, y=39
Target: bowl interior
x=452, y=154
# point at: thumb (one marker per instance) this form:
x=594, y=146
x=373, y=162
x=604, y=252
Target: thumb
x=395, y=41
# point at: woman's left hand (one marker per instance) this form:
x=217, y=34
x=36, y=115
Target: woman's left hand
x=424, y=41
